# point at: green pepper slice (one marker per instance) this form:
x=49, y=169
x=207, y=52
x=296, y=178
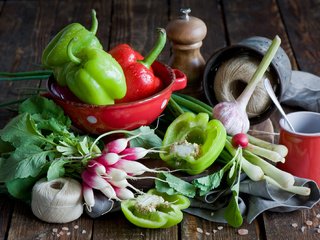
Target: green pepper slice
x=192, y=142
x=155, y=210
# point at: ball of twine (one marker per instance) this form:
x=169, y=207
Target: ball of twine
x=57, y=201
x=233, y=76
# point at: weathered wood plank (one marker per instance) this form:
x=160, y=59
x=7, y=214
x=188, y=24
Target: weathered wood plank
x=26, y=226
x=301, y=19
x=115, y=226
x=247, y=18
x=6, y=207
x=279, y=225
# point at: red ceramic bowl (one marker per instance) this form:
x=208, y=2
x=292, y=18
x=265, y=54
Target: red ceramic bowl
x=99, y=119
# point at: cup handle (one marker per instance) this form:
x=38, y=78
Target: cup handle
x=180, y=81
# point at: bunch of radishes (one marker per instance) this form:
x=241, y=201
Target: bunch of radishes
x=110, y=171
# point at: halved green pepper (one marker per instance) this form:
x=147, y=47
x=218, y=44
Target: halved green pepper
x=155, y=210
x=95, y=77
x=192, y=142
x=55, y=53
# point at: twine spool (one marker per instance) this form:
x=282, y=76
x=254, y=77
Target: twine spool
x=233, y=76
x=57, y=201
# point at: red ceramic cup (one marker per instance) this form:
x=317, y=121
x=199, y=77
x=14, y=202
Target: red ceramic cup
x=303, y=159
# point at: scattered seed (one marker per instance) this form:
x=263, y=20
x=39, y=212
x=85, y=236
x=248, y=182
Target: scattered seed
x=214, y=230
x=199, y=230
x=207, y=233
x=220, y=228
x=84, y=232
x=65, y=228
x=303, y=228
x=294, y=225
x=212, y=213
x=243, y=231
x=308, y=223
x=318, y=215
x=76, y=227
x=55, y=230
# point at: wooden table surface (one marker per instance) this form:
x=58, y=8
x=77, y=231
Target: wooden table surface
x=26, y=26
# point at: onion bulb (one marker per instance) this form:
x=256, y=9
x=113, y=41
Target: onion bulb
x=233, y=115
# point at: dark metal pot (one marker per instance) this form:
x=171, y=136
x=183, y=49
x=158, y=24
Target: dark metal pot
x=256, y=47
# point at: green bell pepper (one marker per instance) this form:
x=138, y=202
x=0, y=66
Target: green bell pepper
x=155, y=210
x=55, y=53
x=96, y=77
x=192, y=142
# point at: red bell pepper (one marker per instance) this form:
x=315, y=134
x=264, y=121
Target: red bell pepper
x=140, y=79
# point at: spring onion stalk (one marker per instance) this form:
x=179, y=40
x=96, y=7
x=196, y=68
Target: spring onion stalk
x=194, y=100
x=194, y=107
x=279, y=148
x=300, y=190
x=283, y=178
x=254, y=172
x=233, y=115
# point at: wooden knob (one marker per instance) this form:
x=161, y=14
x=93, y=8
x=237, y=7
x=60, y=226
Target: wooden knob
x=186, y=34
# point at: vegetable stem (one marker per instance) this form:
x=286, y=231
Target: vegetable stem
x=244, y=98
x=280, y=149
x=94, y=26
x=283, y=178
x=300, y=190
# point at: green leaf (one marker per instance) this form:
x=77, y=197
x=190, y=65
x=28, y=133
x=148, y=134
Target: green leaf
x=48, y=109
x=208, y=183
x=21, y=131
x=178, y=185
x=25, y=161
x=21, y=188
x=56, y=169
x=232, y=213
x=147, y=138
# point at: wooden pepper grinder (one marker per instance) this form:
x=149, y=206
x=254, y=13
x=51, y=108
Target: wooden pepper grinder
x=186, y=34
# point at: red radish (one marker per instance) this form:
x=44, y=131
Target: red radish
x=116, y=174
x=124, y=193
x=120, y=184
x=88, y=196
x=96, y=167
x=93, y=180
x=132, y=167
x=118, y=145
x=108, y=159
x=109, y=192
x=240, y=140
x=135, y=153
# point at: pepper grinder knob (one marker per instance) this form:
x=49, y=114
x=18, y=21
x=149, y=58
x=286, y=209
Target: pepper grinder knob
x=186, y=34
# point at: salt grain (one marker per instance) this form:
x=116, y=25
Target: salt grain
x=294, y=225
x=308, y=223
x=61, y=233
x=199, y=230
x=65, y=228
x=76, y=227
x=207, y=233
x=303, y=228
x=55, y=230
x=318, y=215
x=68, y=233
x=84, y=232
x=220, y=227
x=318, y=230
x=214, y=230
x=212, y=213
x=243, y=231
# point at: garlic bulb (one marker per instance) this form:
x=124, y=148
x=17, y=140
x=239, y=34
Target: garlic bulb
x=232, y=116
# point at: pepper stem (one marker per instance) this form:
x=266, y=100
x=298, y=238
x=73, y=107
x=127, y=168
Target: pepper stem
x=71, y=56
x=245, y=96
x=154, y=53
x=94, y=26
